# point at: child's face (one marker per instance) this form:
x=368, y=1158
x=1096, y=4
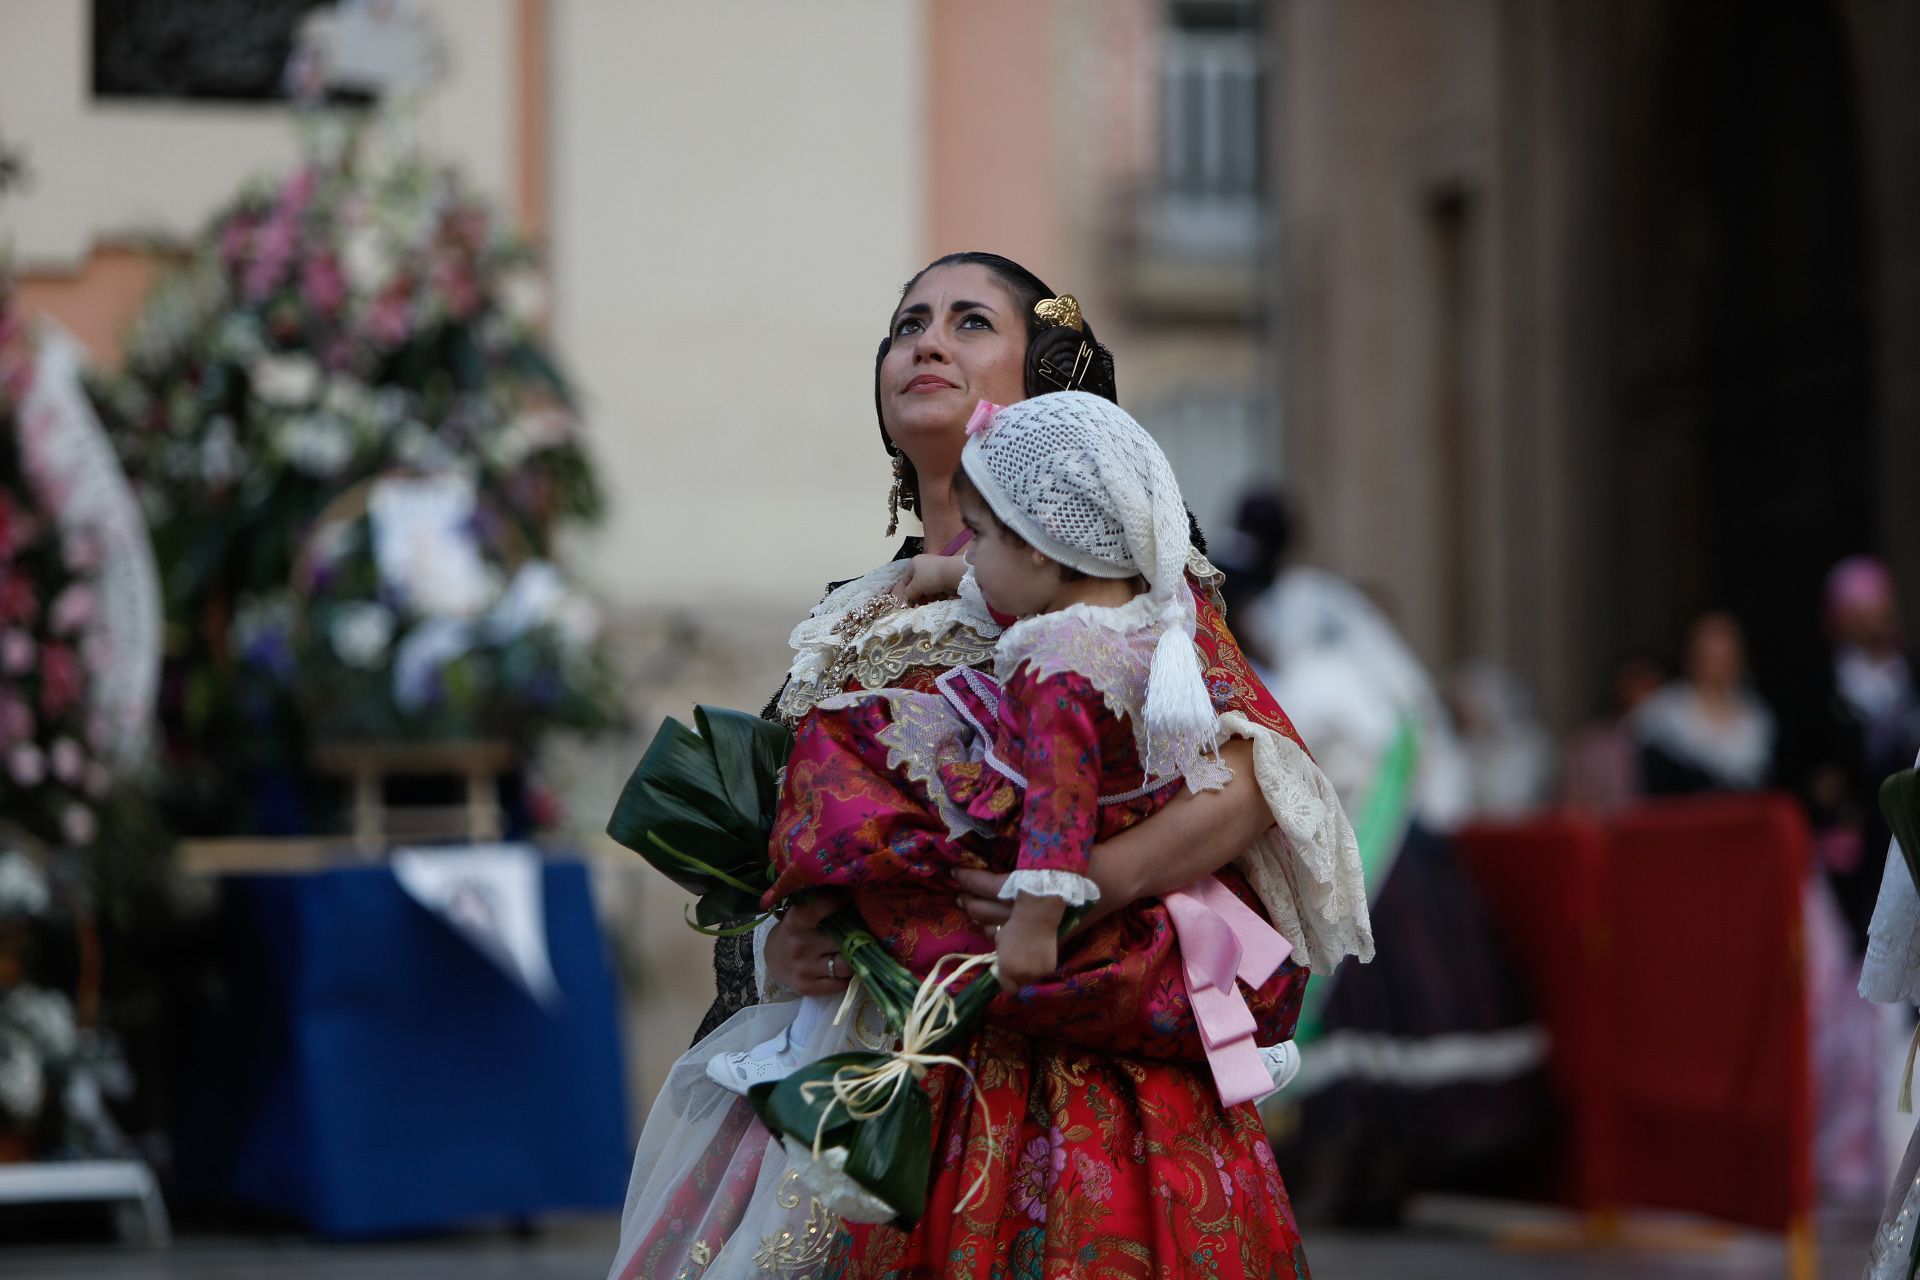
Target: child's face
x=1014, y=578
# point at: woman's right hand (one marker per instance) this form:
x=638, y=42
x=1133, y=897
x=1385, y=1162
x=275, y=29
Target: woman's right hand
x=800, y=956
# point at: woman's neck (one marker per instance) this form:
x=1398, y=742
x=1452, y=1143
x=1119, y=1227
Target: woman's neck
x=940, y=521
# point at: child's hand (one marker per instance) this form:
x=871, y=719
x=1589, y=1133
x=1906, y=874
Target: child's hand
x=931, y=576
x=1027, y=947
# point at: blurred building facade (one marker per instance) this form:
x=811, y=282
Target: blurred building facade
x=1597, y=314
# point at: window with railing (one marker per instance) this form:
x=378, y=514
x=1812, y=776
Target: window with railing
x=1212, y=126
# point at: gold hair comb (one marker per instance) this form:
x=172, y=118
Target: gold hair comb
x=1063, y=310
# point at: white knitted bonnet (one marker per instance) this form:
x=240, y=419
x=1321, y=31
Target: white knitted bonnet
x=1085, y=485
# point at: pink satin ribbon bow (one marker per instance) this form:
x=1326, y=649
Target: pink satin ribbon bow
x=1222, y=938
x=982, y=415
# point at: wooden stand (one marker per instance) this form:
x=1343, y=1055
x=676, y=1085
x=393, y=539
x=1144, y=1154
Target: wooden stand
x=375, y=824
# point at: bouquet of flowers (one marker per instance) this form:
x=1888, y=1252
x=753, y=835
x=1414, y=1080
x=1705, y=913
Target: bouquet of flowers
x=699, y=808
x=420, y=618
x=367, y=315
x=52, y=774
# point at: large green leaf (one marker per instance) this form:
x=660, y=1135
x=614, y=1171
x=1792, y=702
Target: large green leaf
x=785, y=1108
x=748, y=754
x=1900, y=802
x=674, y=803
x=892, y=1155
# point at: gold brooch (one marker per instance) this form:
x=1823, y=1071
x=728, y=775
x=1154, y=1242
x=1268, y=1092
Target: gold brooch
x=1063, y=310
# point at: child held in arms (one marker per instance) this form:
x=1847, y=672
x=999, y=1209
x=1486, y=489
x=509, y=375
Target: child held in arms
x=1099, y=715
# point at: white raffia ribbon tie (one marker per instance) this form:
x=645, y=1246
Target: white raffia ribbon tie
x=865, y=1092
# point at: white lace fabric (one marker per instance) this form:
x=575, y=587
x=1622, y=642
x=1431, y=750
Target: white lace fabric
x=1305, y=870
x=1074, y=890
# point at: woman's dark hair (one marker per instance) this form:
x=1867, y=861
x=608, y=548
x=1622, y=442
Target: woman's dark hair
x=1053, y=351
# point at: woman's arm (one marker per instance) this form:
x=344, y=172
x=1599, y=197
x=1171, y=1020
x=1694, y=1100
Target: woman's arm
x=1197, y=833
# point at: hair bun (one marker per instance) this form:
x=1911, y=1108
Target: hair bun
x=1064, y=359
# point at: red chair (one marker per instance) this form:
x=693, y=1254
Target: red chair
x=1542, y=882
x=1709, y=1062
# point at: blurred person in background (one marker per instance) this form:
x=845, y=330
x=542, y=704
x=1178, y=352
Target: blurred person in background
x=1509, y=754
x=1858, y=723
x=1423, y=1070
x=1602, y=771
x=1709, y=732
x=1706, y=731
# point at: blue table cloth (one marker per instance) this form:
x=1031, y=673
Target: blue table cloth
x=368, y=1072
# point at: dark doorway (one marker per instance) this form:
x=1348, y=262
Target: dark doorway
x=1744, y=447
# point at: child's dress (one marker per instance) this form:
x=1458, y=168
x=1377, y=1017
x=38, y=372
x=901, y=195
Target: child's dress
x=892, y=789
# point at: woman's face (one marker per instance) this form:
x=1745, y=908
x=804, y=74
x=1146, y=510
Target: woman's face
x=958, y=339
x=1716, y=653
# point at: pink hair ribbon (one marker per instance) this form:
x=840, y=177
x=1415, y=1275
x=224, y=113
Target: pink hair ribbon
x=982, y=415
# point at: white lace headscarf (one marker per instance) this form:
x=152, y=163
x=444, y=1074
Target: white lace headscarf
x=1086, y=486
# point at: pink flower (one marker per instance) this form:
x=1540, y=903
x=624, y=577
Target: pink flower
x=273, y=247
x=27, y=765
x=322, y=283
x=83, y=552
x=62, y=681
x=1096, y=1179
x=16, y=720
x=72, y=609
x=78, y=825
x=17, y=651
x=69, y=761
x=390, y=320
x=17, y=601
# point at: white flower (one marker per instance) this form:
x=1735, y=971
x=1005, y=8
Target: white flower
x=23, y=886
x=220, y=458
x=348, y=398
x=46, y=1017
x=828, y=1179
x=27, y=765
x=366, y=259
x=240, y=337
x=523, y=295
x=361, y=632
x=23, y=1085
x=78, y=825
x=285, y=379
x=69, y=760
x=530, y=600
x=318, y=444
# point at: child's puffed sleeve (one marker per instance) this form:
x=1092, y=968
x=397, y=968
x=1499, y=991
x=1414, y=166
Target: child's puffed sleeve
x=1056, y=720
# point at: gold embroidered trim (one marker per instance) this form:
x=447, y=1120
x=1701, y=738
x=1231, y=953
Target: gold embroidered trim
x=787, y=1250
x=881, y=662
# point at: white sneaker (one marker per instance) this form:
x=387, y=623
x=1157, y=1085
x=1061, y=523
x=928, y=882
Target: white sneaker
x=740, y=1070
x=1283, y=1064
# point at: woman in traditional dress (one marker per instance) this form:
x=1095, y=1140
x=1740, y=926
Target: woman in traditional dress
x=1094, y=1164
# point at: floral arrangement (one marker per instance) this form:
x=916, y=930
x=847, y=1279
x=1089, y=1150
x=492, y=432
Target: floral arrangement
x=55, y=1075
x=367, y=316
x=52, y=775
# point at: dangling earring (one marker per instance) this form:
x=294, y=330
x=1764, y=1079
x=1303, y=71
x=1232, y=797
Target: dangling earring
x=899, y=491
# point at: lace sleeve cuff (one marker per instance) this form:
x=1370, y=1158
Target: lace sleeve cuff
x=1075, y=891
x=770, y=991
